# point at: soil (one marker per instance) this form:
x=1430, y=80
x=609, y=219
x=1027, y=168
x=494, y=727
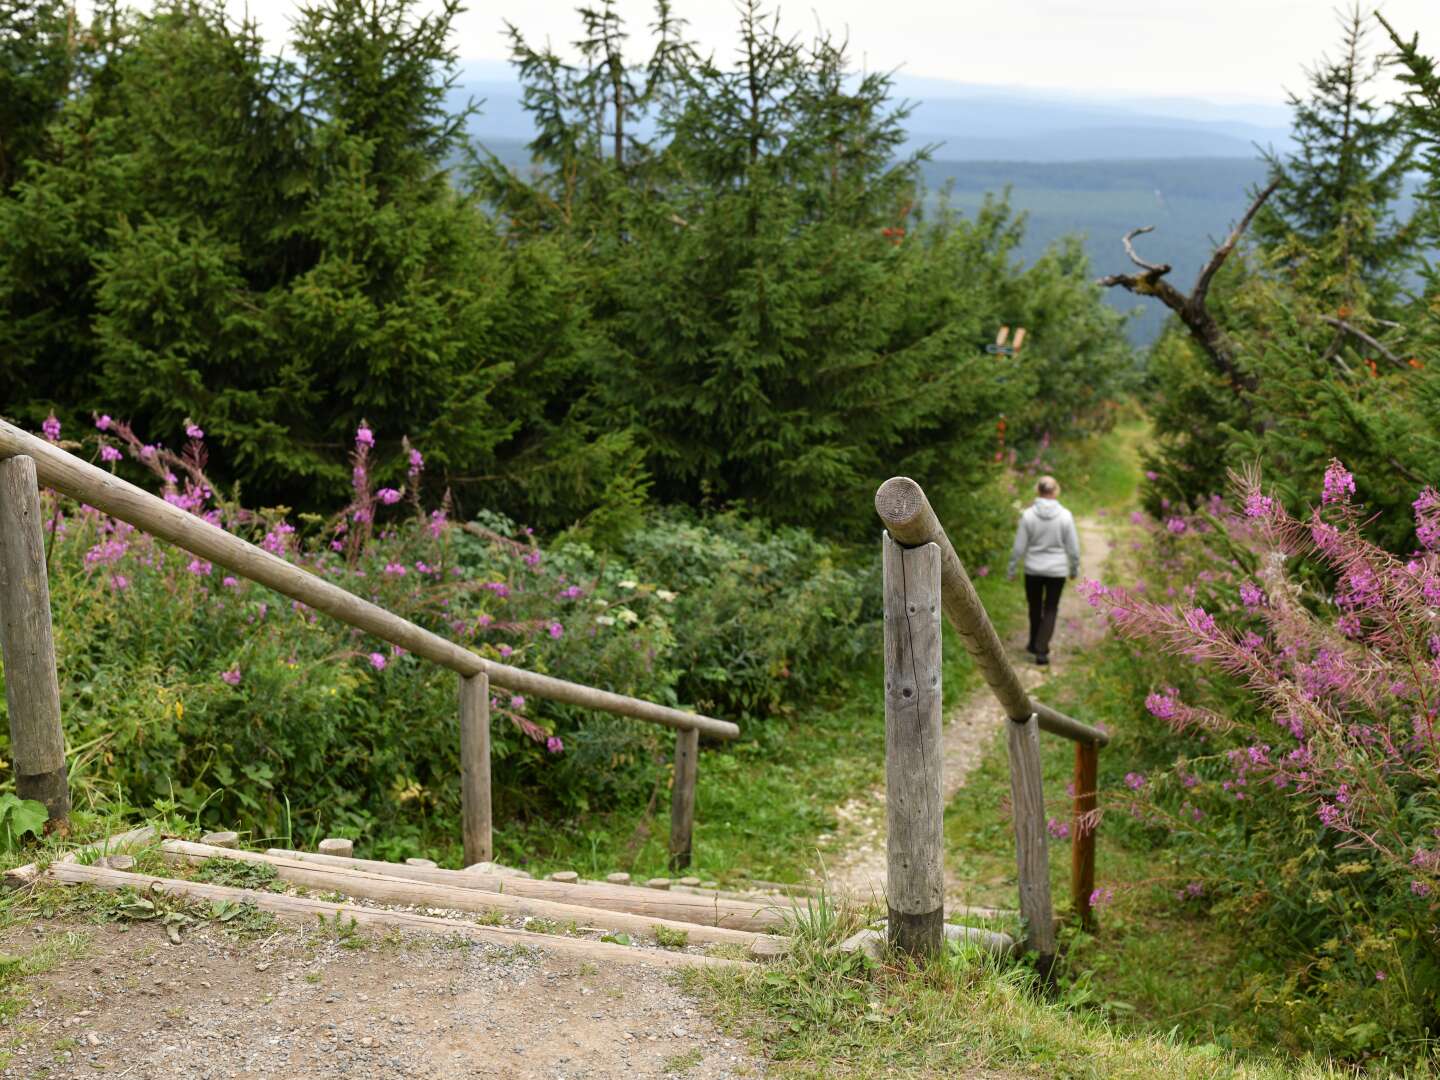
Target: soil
x=857, y=866
x=308, y=1002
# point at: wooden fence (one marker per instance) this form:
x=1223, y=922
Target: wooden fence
x=923, y=577
x=32, y=691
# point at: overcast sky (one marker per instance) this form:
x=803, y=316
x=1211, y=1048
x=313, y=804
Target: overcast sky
x=1223, y=50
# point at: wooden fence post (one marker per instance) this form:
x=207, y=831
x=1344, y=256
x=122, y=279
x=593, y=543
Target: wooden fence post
x=682, y=797
x=475, y=808
x=1032, y=856
x=914, y=799
x=1082, y=832
x=27, y=644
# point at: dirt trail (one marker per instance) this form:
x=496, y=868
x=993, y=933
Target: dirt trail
x=857, y=866
x=307, y=1003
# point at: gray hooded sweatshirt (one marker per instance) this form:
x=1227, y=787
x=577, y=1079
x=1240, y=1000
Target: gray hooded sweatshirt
x=1046, y=540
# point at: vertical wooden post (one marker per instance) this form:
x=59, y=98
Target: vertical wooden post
x=914, y=799
x=1082, y=836
x=27, y=644
x=1032, y=856
x=682, y=797
x=475, y=810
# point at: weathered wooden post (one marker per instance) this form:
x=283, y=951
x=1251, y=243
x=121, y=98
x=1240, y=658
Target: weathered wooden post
x=914, y=795
x=1082, y=831
x=27, y=644
x=1032, y=854
x=682, y=797
x=475, y=810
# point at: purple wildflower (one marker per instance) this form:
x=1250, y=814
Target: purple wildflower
x=364, y=436
x=1060, y=830
x=1339, y=484
x=51, y=428
x=1176, y=525
x=1134, y=780
x=194, y=431
x=517, y=702
x=232, y=677
x=388, y=496
x=554, y=745
x=377, y=661
x=103, y=422
x=110, y=453
x=556, y=630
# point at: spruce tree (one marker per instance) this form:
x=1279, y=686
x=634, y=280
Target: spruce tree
x=1332, y=222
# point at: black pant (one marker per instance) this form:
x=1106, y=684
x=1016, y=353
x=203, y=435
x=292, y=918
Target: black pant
x=1043, y=594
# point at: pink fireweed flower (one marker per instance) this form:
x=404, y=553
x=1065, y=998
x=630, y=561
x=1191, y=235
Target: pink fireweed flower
x=377, y=661
x=1427, y=518
x=1200, y=621
x=1093, y=591
x=570, y=593
x=1176, y=525
x=556, y=630
x=1137, y=517
x=554, y=745
x=394, y=569
x=229, y=582
x=1419, y=888
x=1339, y=484
x=517, y=702
x=364, y=436
x=982, y=571
x=388, y=496
x=1164, y=706
x=1134, y=780
x=1258, y=505
x=194, y=431
x=51, y=428
x=506, y=652
x=1251, y=595
x=103, y=422
x=484, y=620
x=533, y=558
x=1060, y=830
x=119, y=582
x=109, y=453
x=1101, y=896
x=199, y=567
x=147, y=451
x=232, y=676
x=1151, y=474
x=437, y=522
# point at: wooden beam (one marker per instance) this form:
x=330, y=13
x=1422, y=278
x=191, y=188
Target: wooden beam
x=27, y=645
x=1032, y=855
x=682, y=799
x=652, y=903
x=393, y=890
x=80, y=480
x=19, y=876
x=914, y=791
x=1082, y=832
x=476, y=822
x=300, y=907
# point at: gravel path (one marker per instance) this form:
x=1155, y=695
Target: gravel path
x=310, y=1002
x=856, y=866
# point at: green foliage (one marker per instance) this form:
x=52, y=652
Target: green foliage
x=19, y=818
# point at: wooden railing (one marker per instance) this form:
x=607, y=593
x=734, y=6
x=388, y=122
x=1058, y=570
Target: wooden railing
x=924, y=576
x=26, y=463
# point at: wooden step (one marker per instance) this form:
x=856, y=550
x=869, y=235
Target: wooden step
x=394, y=889
x=74, y=873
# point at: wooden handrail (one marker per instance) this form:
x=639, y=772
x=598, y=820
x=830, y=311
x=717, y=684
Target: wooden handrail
x=908, y=518
x=80, y=480
x=911, y=522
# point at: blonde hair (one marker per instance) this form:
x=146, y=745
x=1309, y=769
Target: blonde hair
x=1047, y=487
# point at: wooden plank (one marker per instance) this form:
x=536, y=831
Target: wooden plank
x=80, y=480
x=914, y=790
x=393, y=890
x=476, y=822
x=295, y=906
x=908, y=517
x=682, y=799
x=653, y=903
x=1082, y=836
x=1032, y=858
x=27, y=645
x=19, y=876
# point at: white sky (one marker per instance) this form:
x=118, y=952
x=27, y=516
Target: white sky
x=1221, y=50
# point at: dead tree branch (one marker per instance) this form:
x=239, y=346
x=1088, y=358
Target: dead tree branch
x=1191, y=309
x=1364, y=338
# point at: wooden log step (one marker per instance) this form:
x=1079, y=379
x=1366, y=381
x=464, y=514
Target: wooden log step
x=394, y=890
x=113, y=845
x=300, y=907
x=652, y=903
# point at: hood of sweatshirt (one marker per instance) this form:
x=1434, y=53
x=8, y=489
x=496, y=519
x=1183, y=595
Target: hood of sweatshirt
x=1045, y=509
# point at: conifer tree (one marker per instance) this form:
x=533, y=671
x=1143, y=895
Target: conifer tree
x=1331, y=221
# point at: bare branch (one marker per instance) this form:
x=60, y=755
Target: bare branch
x=1163, y=268
x=1360, y=335
x=1202, y=283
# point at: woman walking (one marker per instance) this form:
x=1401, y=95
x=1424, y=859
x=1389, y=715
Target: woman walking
x=1050, y=549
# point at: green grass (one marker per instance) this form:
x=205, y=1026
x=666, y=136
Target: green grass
x=823, y=1013
x=1100, y=472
